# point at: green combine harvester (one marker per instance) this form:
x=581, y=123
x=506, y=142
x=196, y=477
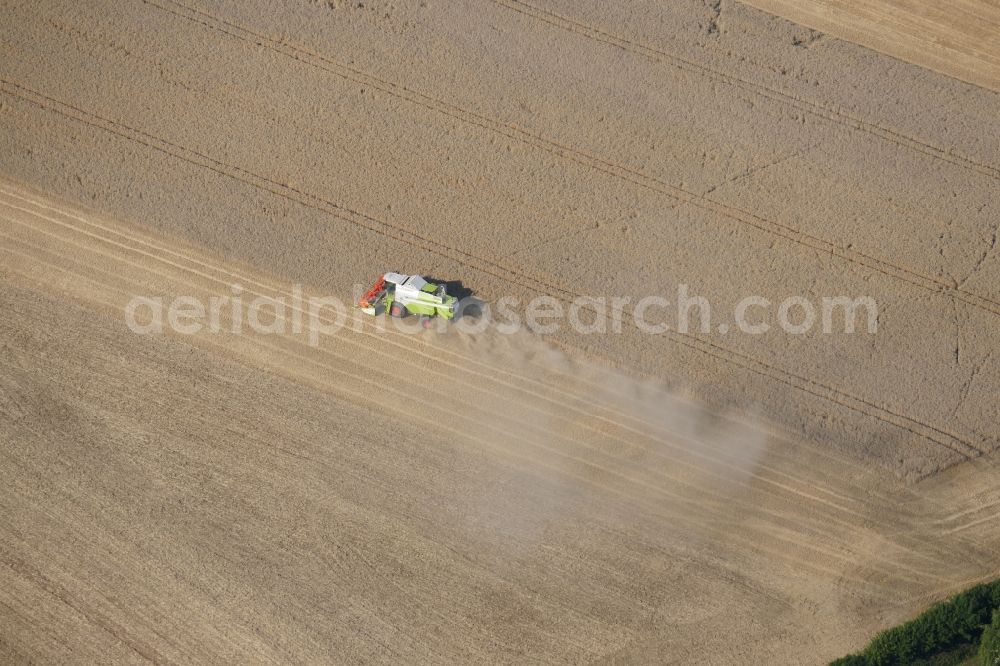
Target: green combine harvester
x=402, y=295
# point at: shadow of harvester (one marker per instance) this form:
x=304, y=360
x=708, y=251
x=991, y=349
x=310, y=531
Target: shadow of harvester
x=468, y=305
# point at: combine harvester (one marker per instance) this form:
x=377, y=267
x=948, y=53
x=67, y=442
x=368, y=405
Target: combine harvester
x=401, y=295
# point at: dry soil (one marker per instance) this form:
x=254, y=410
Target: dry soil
x=705, y=496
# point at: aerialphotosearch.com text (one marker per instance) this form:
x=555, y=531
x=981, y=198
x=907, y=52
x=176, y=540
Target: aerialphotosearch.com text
x=316, y=317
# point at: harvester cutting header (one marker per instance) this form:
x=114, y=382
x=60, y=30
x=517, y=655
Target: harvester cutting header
x=402, y=295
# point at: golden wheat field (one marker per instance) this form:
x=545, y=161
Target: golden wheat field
x=591, y=492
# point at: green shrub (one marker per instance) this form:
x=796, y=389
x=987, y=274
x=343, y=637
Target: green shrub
x=989, y=644
x=946, y=626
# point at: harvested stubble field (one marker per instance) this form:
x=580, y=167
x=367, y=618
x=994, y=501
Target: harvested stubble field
x=454, y=497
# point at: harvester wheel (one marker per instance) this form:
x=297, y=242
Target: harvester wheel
x=426, y=322
x=397, y=310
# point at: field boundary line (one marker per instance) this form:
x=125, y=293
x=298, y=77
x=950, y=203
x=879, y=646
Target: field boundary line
x=98, y=239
